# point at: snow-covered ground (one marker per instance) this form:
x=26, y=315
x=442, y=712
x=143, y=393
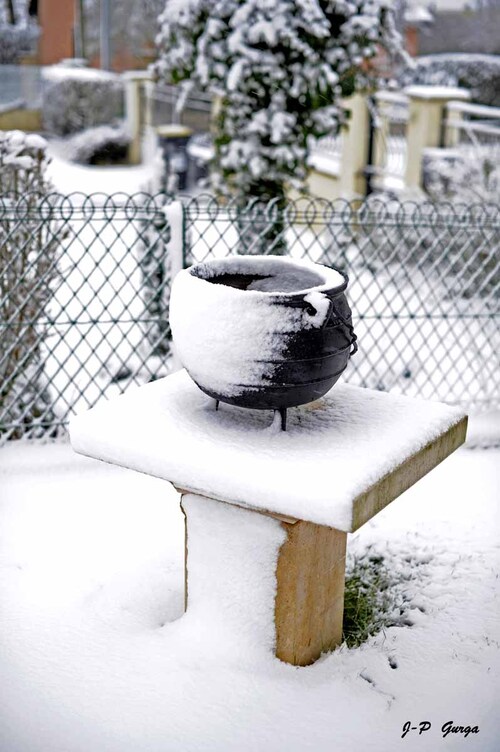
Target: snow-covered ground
x=94, y=654
x=68, y=177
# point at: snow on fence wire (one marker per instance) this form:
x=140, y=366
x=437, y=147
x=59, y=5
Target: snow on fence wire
x=424, y=288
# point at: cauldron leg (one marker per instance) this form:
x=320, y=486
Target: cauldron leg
x=283, y=418
x=217, y=404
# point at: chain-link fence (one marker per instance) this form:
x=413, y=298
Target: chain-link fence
x=85, y=283
x=84, y=289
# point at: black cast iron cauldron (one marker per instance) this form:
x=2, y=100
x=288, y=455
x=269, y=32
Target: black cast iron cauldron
x=263, y=332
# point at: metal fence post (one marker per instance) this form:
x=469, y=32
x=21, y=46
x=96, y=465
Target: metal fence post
x=136, y=112
x=175, y=216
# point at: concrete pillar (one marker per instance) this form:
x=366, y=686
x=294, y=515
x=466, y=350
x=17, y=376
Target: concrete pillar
x=451, y=135
x=355, y=147
x=137, y=111
x=425, y=125
x=381, y=133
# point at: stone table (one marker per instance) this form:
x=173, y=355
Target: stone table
x=267, y=511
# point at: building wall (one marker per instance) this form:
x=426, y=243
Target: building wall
x=462, y=31
x=411, y=38
x=56, y=19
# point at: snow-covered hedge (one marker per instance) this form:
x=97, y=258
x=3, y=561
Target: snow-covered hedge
x=28, y=269
x=451, y=241
x=480, y=74
x=16, y=41
x=462, y=176
x=77, y=98
x=104, y=144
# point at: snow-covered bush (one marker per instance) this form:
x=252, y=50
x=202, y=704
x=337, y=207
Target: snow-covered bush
x=455, y=243
x=77, y=98
x=23, y=161
x=104, y=144
x=16, y=41
x=480, y=74
x=28, y=269
x=463, y=176
x=467, y=180
x=277, y=70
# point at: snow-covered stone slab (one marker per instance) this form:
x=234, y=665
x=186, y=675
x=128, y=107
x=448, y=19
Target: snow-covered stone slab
x=341, y=460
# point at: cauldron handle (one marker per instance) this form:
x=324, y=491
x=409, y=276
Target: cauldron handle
x=350, y=328
x=347, y=325
x=309, y=307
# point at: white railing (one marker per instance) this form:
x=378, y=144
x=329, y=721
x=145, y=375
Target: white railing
x=167, y=98
x=390, y=114
x=473, y=130
x=325, y=154
x=172, y=95
x=477, y=110
x=396, y=100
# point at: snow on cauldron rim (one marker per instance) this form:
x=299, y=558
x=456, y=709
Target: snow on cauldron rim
x=290, y=273
x=246, y=341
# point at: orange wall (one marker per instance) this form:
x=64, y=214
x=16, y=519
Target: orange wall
x=411, y=40
x=123, y=60
x=56, y=19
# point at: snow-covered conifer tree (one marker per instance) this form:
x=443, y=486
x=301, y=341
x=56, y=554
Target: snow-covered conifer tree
x=278, y=70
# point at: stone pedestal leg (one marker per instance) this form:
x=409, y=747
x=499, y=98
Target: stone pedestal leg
x=310, y=577
x=257, y=582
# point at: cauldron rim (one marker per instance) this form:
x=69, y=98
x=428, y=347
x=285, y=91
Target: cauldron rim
x=295, y=295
